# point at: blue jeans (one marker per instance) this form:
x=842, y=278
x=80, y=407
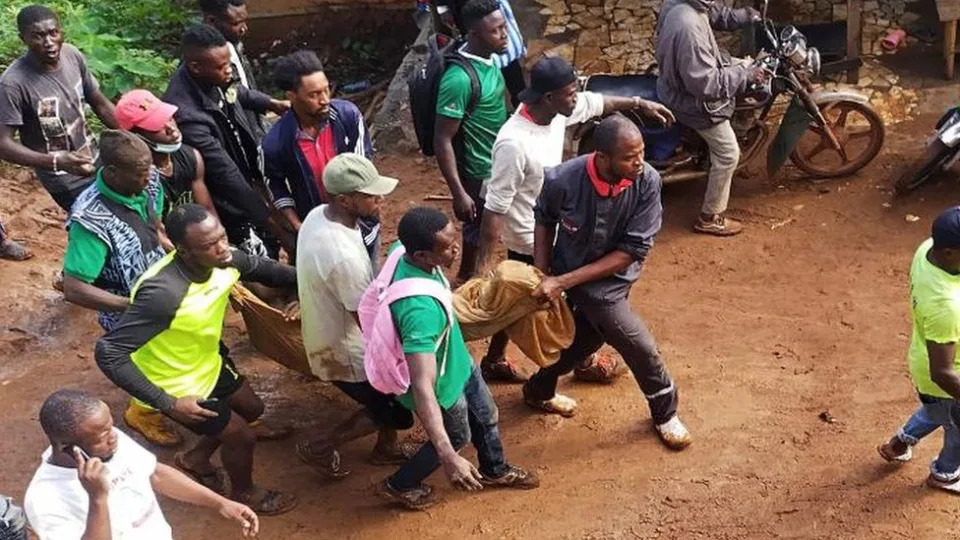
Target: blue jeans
x=473, y=417
x=945, y=413
x=917, y=427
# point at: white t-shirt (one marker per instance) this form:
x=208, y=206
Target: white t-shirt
x=237, y=64
x=333, y=271
x=522, y=151
x=56, y=503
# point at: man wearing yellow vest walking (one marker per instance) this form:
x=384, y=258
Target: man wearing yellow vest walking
x=166, y=352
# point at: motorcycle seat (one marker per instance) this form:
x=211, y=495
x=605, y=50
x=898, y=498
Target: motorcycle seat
x=644, y=86
x=661, y=142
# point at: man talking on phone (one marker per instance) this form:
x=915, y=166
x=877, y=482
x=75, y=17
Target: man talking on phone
x=95, y=483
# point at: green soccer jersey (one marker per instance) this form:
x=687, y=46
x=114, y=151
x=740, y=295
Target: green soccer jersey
x=421, y=322
x=479, y=129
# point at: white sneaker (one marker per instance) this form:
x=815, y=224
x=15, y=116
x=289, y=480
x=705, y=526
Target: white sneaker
x=674, y=434
x=558, y=404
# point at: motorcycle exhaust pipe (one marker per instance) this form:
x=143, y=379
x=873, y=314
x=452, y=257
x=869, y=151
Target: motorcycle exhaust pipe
x=672, y=178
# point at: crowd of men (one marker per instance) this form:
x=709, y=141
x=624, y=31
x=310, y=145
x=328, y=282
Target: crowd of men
x=182, y=197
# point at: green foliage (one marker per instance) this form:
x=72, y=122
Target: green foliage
x=128, y=43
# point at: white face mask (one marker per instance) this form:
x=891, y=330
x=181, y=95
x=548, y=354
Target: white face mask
x=167, y=148
x=162, y=148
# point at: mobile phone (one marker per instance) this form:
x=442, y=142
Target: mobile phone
x=73, y=449
x=209, y=404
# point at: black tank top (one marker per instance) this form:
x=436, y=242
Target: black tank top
x=177, y=186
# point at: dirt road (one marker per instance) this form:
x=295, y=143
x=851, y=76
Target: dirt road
x=805, y=313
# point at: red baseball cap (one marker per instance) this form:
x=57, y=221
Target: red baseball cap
x=142, y=109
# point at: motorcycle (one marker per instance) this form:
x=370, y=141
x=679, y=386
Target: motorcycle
x=824, y=133
x=942, y=151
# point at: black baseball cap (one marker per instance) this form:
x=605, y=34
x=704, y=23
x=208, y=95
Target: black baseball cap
x=946, y=229
x=549, y=74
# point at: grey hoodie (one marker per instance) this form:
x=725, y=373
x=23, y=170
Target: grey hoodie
x=696, y=81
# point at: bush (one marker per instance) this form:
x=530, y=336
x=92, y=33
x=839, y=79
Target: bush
x=128, y=44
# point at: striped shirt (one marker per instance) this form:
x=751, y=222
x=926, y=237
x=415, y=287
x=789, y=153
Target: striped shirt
x=515, y=46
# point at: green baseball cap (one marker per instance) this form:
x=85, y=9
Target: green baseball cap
x=353, y=173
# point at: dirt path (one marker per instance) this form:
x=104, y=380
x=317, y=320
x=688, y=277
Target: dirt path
x=805, y=313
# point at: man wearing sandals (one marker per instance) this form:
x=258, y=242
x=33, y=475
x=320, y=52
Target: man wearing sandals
x=529, y=143
x=96, y=482
x=597, y=217
x=166, y=352
x=333, y=271
x=933, y=355
x=446, y=390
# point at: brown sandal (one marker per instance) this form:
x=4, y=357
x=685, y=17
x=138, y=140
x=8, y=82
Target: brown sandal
x=215, y=480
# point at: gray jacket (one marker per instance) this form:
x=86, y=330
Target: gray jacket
x=696, y=81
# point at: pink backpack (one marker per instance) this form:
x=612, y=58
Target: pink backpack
x=383, y=358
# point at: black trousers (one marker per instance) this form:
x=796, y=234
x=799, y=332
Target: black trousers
x=614, y=323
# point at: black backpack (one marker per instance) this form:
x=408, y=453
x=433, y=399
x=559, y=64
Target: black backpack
x=424, y=84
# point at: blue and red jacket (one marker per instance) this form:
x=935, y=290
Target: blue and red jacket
x=289, y=175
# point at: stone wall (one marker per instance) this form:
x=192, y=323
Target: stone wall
x=599, y=36
x=617, y=36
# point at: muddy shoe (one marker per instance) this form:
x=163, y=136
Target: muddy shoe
x=152, y=424
x=326, y=463
x=418, y=498
x=269, y=502
x=600, y=368
x=12, y=251
x=889, y=454
x=718, y=225
x=516, y=478
x=503, y=371
x=558, y=404
x=674, y=434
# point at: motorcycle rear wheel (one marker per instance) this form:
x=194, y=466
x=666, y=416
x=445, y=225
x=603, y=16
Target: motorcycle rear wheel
x=918, y=172
x=867, y=132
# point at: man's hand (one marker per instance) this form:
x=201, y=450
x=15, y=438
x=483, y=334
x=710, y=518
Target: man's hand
x=186, y=410
x=279, y=106
x=242, y=514
x=461, y=473
x=464, y=207
x=75, y=163
x=550, y=289
x=656, y=111
x=759, y=76
x=292, y=311
x=93, y=476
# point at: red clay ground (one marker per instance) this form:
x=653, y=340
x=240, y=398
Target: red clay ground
x=803, y=314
